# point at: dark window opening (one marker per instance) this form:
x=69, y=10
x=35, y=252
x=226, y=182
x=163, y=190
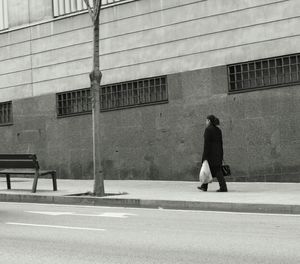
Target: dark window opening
x=6, y=113
x=134, y=93
x=265, y=73
x=74, y=102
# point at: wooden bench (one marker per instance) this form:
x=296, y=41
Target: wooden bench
x=25, y=164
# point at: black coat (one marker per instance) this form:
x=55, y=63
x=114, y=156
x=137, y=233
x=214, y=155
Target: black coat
x=213, y=146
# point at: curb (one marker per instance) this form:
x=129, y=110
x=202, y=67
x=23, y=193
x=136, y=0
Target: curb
x=162, y=204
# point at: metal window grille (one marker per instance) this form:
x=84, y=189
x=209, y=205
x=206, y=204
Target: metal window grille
x=74, y=102
x=64, y=7
x=271, y=72
x=6, y=113
x=134, y=93
x=3, y=15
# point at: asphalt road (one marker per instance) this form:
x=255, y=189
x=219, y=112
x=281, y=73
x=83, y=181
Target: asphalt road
x=40, y=233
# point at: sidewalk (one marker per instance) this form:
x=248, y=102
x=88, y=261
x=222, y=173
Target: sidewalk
x=242, y=197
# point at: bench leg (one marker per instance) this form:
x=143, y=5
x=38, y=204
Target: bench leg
x=54, y=181
x=36, y=176
x=8, y=181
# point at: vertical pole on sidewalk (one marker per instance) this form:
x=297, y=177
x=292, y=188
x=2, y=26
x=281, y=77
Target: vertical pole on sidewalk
x=95, y=78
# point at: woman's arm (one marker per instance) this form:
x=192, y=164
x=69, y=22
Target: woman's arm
x=207, y=145
x=222, y=152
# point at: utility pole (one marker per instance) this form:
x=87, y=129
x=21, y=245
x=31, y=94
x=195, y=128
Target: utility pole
x=95, y=77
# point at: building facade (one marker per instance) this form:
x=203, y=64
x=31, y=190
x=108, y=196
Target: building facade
x=166, y=65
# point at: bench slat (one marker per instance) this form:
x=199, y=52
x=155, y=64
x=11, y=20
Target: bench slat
x=25, y=171
x=17, y=156
x=10, y=164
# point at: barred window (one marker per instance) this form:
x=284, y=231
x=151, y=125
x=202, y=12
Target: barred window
x=134, y=93
x=74, y=102
x=271, y=72
x=6, y=113
x=3, y=15
x=64, y=7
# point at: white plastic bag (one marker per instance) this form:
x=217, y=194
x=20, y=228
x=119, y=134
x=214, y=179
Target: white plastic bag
x=205, y=174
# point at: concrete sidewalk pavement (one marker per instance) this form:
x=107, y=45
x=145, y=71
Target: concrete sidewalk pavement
x=242, y=197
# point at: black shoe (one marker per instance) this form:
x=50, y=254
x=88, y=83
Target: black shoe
x=202, y=189
x=220, y=190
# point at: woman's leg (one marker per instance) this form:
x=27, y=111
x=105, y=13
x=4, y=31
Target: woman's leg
x=217, y=172
x=204, y=186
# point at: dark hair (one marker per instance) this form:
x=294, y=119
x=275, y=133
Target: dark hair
x=213, y=120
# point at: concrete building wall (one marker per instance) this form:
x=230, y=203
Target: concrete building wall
x=260, y=130
x=140, y=39
x=190, y=41
x=62, y=144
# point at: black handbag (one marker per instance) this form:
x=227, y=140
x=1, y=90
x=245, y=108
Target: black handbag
x=226, y=170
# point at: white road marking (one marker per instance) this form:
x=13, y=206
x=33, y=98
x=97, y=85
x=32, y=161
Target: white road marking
x=118, y=215
x=49, y=213
x=152, y=209
x=111, y=214
x=157, y=209
x=57, y=226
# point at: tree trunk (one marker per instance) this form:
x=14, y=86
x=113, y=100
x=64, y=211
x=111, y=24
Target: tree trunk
x=95, y=77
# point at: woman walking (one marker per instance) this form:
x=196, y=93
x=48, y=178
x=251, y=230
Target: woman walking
x=213, y=152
